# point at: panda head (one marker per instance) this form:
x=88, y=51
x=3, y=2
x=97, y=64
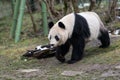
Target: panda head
x=57, y=34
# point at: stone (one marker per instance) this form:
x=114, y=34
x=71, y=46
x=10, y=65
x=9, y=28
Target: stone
x=117, y=67
x=71, y=73
x=28, y=70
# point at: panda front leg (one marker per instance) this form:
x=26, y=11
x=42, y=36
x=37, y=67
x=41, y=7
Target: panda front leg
x=78, y=50
x=62, y=51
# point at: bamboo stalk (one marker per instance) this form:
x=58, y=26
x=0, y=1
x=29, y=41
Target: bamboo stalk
x=48, y=9
x=12, y=5
x=44, y=18
x=15, y=16
x=20, y=19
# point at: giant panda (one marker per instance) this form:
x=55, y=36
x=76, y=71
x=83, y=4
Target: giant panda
x=75, y=29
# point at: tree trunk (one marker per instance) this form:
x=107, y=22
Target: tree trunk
x=70, y=6
x=75, y=6
x=112, y=8
x=98, y=3
x=51, y=7
x=111, y=13
x=32, y=5
x=66, y=6
x=32, y=19
x=49, y=11
x=92, y=5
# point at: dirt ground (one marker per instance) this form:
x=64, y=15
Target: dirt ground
x=51, y=69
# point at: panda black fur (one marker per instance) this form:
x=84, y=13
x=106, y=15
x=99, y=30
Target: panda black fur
x=76, y=29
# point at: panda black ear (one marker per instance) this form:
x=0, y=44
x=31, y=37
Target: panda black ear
x=61, y=25
x=50, y=24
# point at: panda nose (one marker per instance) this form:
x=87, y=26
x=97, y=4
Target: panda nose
x=52, y=44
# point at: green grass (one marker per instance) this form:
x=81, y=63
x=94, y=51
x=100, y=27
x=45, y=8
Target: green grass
x=117, y=25
x=107, y=55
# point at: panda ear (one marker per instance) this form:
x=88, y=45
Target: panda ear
x=50, y=24
x=60, y=24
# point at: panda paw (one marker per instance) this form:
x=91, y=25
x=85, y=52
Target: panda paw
x=72, y=61
x=102, y=46
x=62, y=60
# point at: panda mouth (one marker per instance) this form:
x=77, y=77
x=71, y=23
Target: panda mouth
x=51, y=45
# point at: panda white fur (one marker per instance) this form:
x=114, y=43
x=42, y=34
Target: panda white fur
x=76, y=29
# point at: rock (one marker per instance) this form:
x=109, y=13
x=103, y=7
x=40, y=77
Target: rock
x=25, y=60
x=117, y=67
x=110, y=73
x=28, y=70
x=71, y=73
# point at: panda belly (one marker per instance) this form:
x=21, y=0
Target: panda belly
x=93, y=23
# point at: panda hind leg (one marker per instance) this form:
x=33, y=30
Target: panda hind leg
x=104, y=39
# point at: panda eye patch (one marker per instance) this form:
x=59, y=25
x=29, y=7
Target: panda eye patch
x=50, y=37
x=57, y=38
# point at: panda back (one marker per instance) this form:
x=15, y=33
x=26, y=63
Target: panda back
x=94, y=23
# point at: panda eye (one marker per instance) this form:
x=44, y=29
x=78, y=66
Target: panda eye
x=50, y=37
x=57, y=38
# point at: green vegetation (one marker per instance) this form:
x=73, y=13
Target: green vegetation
x=117, y=25
x=101, y=56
